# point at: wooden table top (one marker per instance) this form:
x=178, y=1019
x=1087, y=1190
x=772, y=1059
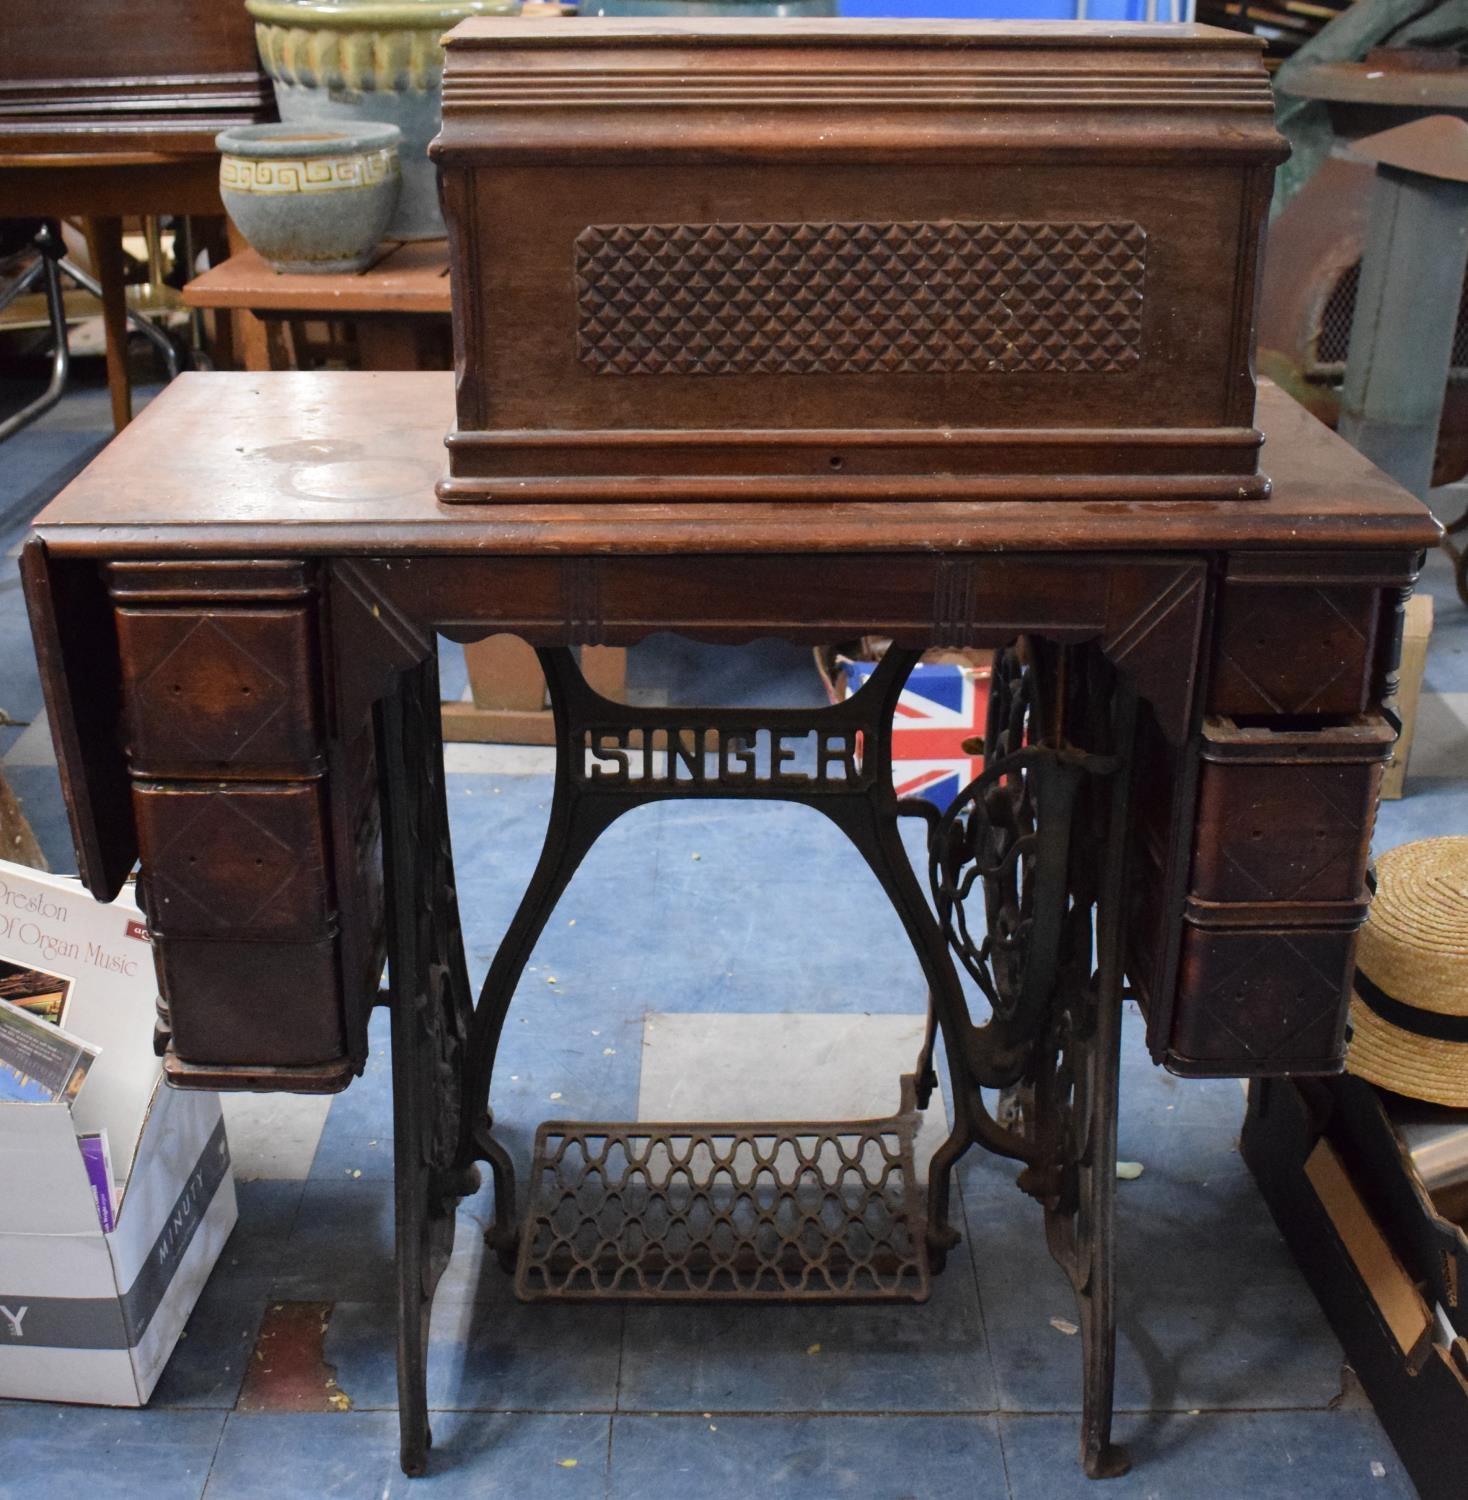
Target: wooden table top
x=405, y=278
x=344, y=462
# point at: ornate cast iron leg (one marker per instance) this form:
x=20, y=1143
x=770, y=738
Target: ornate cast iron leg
x=1043, y=831
x=1077, y=1101
x=430, y=1003
x=603, y=770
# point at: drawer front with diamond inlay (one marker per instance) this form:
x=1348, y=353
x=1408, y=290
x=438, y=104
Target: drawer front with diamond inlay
x=1261, y=1001
x=252, y=1005
x=241, y=806
x=228, y=688
x=1285, y=815
x=234, y=859
x=1331, y=630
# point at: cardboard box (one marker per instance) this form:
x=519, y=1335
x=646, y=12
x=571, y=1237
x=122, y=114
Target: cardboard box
x=944, y=704
x=85, y=1315
x=1416, y=636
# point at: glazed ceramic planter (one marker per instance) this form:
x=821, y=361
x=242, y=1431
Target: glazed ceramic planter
x=311, y=198
x=338, y=62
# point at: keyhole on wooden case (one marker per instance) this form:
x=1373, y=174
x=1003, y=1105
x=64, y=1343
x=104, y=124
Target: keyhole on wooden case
x=837, y=462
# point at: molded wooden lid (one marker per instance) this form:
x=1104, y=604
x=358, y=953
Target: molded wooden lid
x=635, y=89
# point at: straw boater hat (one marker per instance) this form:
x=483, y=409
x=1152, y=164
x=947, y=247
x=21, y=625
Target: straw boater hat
x=1409, y=1006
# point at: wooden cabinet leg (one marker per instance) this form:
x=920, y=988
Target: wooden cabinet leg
x=104, y=236
x=250, y=339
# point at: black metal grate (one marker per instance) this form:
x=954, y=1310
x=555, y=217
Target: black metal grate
x=1333, y=337
x=825, y=1211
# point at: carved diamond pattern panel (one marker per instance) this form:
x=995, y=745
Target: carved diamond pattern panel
x=1326, y=668
x=248, y=861
x=1247, y=997
x=229, y=687
x=939, y=298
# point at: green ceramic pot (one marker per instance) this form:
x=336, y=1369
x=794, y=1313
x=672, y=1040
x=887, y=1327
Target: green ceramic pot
x=313, y=197
x=337, y=62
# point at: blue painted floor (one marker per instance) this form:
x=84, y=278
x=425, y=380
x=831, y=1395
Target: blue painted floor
x=1229, y=1382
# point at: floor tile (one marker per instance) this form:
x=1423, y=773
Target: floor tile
x=1440, y=748
x=1429, y=808
x=489, y=1354
x=695, y=907
x=784, y=1066
x=1212, y=1456
x=893, y=1357
x=252, y=1255
x=52, y=1451
x=38, y=791
x=273, y=1136
x=341, y=1245
x=807, y=1458
x=208, y=1362
x=355, y=1138
x=34, y=746
x=354, y=1456
x=1231, y=1323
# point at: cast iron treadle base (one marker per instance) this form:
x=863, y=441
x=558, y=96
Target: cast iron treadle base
x=806, y=1211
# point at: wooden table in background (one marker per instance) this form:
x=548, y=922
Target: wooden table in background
x=399, y=305
x=102, y=186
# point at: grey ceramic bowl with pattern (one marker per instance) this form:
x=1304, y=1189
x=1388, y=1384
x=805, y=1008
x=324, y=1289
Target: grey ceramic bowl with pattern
x=313, y=198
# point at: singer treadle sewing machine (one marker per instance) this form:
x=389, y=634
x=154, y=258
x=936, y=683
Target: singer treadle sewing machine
x=940, y=332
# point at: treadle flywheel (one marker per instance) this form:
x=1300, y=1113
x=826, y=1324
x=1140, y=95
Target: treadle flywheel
x=791, y=1212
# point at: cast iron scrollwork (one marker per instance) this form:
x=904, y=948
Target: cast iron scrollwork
x=431, y=1007
x=1041, y=835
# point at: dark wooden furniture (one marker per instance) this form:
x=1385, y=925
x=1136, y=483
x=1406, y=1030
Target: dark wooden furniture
x=182, y=68
x=107, y=111
x=980, y=299
x=1385, y=1262
x=399, y=308
x=796, y=260
x=237, y=649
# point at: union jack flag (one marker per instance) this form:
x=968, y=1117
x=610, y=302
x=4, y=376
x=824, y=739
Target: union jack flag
x=942, y=705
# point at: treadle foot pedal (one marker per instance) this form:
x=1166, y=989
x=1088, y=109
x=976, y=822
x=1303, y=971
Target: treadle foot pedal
x=825, y=1211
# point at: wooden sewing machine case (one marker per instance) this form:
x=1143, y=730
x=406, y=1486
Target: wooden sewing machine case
x=789, y=260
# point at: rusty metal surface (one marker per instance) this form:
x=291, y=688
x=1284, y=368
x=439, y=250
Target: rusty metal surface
x=1372, y=82
x=1435, y=147
x=798, y=1212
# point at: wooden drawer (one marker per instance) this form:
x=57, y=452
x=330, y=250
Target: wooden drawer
x=1254, y=1000
x=220, y=689
x=250, y=1004
x=233, y=859
x=1294, y=649
x=1274, y=848
x=1285, y=813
